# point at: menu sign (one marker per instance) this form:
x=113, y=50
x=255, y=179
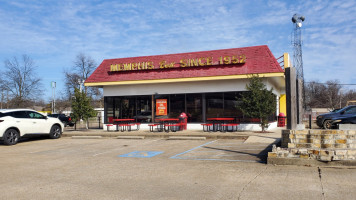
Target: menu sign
x=161, y=106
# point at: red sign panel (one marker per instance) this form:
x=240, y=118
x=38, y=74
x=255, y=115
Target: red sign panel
x=161, y=106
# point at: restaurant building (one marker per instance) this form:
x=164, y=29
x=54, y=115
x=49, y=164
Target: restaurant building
x=202, y=84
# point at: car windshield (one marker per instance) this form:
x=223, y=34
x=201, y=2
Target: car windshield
x=342, y=109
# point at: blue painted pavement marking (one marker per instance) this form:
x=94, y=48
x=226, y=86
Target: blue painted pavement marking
x=141, y=154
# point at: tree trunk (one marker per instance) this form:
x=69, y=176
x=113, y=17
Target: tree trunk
x=262, y=125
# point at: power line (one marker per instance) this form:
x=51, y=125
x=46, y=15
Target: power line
x=333, y=83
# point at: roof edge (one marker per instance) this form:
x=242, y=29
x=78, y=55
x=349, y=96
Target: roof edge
x=191, y=79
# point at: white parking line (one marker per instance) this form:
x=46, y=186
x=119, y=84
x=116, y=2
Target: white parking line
x=223, y=152
x=177, y=156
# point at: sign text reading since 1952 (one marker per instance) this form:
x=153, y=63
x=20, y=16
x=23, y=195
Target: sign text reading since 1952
x=196, y=62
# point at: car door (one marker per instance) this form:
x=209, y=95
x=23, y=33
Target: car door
x=39, y=122
x=22, y=122
x=349, y=115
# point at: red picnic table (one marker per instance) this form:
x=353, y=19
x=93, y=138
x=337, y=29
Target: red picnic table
x=169, y=122
x=122, y=122
x=219, y=121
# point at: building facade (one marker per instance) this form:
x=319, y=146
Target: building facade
x=202, y=84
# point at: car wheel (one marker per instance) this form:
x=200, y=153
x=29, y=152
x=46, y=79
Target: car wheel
x=11, y=137
x=327, y=124
x=55, y=132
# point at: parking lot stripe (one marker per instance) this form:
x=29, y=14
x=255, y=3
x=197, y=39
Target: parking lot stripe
x=226, y=160
x=177, y=156
x=240, y=152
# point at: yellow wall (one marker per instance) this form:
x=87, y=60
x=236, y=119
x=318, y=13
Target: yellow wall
x=283, y=104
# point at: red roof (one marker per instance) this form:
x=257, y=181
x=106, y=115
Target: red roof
x=259, y=59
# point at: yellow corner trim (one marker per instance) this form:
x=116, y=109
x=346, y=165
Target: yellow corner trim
x=286, y=60
x=172, y=80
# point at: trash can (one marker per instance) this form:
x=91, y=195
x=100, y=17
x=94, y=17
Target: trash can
x=183, y=121
x=281, y=120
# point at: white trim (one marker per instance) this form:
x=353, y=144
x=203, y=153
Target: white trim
x=198, y=126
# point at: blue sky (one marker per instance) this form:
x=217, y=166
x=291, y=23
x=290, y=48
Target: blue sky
x=52, y=33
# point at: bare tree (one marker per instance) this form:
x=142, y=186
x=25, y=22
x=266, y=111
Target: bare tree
x=71, y=82
x=21, y=81
x=319, y=95
x=314, y=90
x=349, y=95
x=83, y=67
x=333, y=93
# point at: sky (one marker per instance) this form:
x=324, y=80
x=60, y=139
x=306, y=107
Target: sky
x=54, y=32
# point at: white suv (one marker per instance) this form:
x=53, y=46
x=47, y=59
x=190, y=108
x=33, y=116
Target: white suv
x=15, y=123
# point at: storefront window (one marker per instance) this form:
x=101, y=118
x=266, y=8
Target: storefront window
x=109, y=109
x=214, y=105
x=222, y=104
x=194, y=107
x=117, y=107
x=128, y=107
x=177, y=105
x=144, y=109
x=230, y=104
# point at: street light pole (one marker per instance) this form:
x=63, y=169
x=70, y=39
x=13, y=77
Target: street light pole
x=2, y=98
x=53, y=96
x=7, y=99
x=340, y=97
x=80, y=82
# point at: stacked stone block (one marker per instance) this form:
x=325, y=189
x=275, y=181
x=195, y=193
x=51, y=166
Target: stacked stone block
x=324, y=145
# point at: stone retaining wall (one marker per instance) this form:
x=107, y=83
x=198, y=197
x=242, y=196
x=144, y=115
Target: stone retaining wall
x=323, y=145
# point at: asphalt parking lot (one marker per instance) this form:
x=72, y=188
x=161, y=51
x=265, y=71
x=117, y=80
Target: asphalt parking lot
x=112, y=168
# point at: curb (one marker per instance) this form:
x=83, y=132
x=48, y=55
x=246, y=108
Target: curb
x=186, y=138
x=311, y=163
x=131, y=137
x=163, y=136
x=87, y=137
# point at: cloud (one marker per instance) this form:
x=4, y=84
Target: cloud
x=54, y=32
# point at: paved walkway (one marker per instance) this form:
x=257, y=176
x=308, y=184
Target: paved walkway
x=272, y=136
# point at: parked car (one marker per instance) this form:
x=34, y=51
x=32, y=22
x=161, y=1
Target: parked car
x=16, y=123
x=344, y=120
x=66, y=120
x=145, y=116
x=331, y=119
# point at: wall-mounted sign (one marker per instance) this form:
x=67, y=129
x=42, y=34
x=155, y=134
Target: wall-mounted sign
x=161, y=106
x=185, y=62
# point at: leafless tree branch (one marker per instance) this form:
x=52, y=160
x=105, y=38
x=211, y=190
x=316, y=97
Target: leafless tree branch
x=21, y=81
